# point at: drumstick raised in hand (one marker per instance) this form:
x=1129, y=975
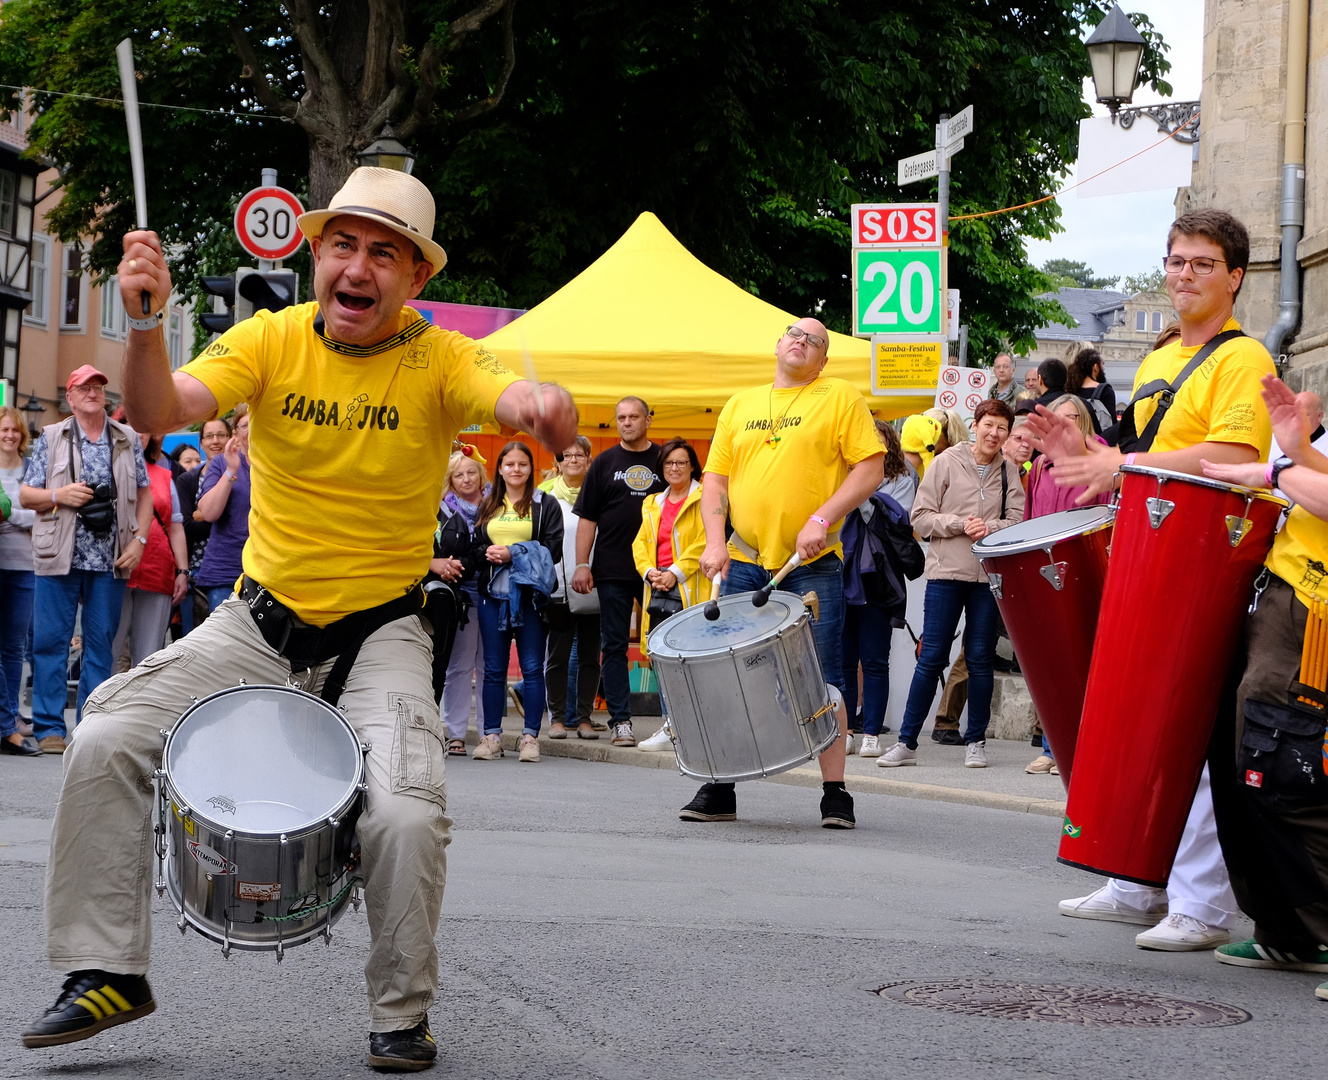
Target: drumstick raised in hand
x=762, y=594
x=712, y=605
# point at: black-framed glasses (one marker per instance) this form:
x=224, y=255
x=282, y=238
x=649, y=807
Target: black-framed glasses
x=1174, y=264
x=814, y=340
x=678, y=464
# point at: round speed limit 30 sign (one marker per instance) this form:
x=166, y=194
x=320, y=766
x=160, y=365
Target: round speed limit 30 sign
x=265, y=223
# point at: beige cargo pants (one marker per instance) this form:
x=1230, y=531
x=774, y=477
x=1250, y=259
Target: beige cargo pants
x=102, y=860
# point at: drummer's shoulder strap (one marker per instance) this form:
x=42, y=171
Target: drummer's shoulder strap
x=1140, y=442
x=1005, y=489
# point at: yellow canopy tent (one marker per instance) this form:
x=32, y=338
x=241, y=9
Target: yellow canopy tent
x=648, y=318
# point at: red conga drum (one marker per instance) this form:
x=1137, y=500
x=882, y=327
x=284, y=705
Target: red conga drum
x=1047, y=576
x=1184, y=555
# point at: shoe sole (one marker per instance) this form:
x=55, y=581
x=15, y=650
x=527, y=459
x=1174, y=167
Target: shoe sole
x=1180, y=946
x=882, y=763
x=696, y=815
x=391, y=1064
x=624, y=742
x=1273, y=965
x=975, y=764
x=583, y=735
x=557, y=734
x=837, y=823
x=1130, y=918
x=35, y=1041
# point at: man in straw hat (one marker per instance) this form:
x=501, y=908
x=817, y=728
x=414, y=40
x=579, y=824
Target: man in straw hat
x=347, y=397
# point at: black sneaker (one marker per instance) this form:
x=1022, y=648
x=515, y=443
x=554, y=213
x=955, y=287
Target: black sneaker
x=947, y=737
x=714, y=802
x=403, y=1051
x=837, y=810
x=89, y=1002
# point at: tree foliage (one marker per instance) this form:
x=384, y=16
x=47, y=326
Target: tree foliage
x=544, y=129
x=1147, y=281
x=1064, y=272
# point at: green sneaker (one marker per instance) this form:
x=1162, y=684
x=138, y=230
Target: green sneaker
x=1251, y=954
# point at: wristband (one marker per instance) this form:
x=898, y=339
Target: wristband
x=818, y=519
x=579, y=565
x=55, y=503
x=1129, y=458
x=150, y=323
x=230, y=476
x=178, y=571
x=1268, y=474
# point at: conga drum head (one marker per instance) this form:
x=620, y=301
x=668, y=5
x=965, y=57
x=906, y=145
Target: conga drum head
x=1041, y=532
x=263, y=759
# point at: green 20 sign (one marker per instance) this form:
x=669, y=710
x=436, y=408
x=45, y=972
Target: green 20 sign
x=897, y=292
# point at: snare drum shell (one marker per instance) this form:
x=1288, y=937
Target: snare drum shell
x=252, y=888
x=744, y=712
x=1173, y=605
x=1049, y=598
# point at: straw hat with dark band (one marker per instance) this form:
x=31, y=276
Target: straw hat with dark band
x=389, y=197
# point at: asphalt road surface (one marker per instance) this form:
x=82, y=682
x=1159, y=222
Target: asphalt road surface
x=588, y=933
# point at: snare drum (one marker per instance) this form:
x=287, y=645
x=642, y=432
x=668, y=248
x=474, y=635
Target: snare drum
x=1185, y=551
x=1046, y=575
x=258, y=794
x=744, y=695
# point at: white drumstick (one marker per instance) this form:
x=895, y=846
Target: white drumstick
x=124, y=54
x=529, y=362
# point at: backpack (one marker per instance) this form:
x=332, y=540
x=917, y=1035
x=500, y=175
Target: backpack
x=895, y=554
x=1097, y=409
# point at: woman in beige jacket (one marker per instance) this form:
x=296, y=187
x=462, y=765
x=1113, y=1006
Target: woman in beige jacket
x=969, y=492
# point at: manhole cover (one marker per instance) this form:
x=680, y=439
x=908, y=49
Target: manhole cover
x=1087, y=1006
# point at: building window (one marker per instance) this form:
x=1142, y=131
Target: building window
x=175, y=339
x=114, y=321
x=71, y=317
x=1141, y=320
x=1157, y=322
x=8, y=200
x=38, y=311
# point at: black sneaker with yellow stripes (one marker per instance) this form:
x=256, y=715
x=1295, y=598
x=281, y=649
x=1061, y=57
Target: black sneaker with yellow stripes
x=409, y=1050
x=89, y=1002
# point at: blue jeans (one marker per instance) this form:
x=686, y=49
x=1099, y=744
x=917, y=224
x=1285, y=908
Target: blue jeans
x=825, y=577
x=615, y=626
x=16, y=589
x=945, y=602
x=57, y=599
x=530, y=639
x=217, y=595
x=867, y=633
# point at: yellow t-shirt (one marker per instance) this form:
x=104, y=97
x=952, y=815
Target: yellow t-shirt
x=1300, y=554
x=509, y=527
x=1220, y=402
x=822, y=428
x=347, y=451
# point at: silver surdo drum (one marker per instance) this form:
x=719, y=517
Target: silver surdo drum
x=258, y=794
x=744, y=694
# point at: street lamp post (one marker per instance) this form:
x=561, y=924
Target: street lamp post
x=33, y=407
x=388, y=152
x=1115, y=51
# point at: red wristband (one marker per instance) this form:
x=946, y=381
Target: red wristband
x=1268, y=474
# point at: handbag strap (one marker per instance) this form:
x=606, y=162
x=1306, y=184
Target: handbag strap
x=1142, y=441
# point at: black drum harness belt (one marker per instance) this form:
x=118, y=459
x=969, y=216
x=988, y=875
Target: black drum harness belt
x=305, y=646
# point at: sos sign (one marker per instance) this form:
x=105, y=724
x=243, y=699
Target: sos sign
x=895, y=225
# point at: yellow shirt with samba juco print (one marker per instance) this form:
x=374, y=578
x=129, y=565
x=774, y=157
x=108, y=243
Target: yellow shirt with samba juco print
x=1220, y=402
x=347, y=449
x=774, y=486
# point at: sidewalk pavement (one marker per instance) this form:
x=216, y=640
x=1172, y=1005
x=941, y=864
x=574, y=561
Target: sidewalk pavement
x=939, y=775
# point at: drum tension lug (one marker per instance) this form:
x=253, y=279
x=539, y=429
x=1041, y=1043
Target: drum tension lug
x=1158, y=509
x=1054, y=572
x=996, y=581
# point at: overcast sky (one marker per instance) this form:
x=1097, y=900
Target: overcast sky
x=1126, y=234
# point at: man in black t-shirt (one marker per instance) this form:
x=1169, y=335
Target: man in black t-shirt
x=609, y=506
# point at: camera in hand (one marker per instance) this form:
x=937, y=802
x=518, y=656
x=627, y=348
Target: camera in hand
x=98, y=513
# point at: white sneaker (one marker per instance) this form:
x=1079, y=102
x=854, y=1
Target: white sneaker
x=1101, y=905
x=897, y=755
x=975, y=755
x=848, y=744
x=490, y=747
x=871, y=746
x=1181, y=933
x=528, y=748
x=658, y=741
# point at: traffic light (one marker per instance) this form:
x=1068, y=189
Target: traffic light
x=223, y=288
x=266, y=290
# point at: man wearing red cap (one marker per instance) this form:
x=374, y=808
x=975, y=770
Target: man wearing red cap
x=354, y=402
x=88, y=483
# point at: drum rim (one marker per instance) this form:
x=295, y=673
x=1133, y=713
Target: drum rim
x=1050, y=540
x=1208, y=482
x=172, y=792
x=786, y=596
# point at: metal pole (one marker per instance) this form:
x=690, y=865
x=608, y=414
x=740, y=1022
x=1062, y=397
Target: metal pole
x=963, y=344
x=943, y=217
x=269, y=180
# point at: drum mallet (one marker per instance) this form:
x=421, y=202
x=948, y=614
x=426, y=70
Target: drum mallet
x=763, y=593
x=712, y=605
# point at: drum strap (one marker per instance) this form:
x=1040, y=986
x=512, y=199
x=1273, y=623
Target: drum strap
x=831, y=538
x=1129, y=441
x=304, y=645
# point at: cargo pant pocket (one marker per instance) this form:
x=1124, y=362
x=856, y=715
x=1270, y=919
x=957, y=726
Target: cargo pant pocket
x=131, y=687
x=1281, y=754
x=418, y=752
